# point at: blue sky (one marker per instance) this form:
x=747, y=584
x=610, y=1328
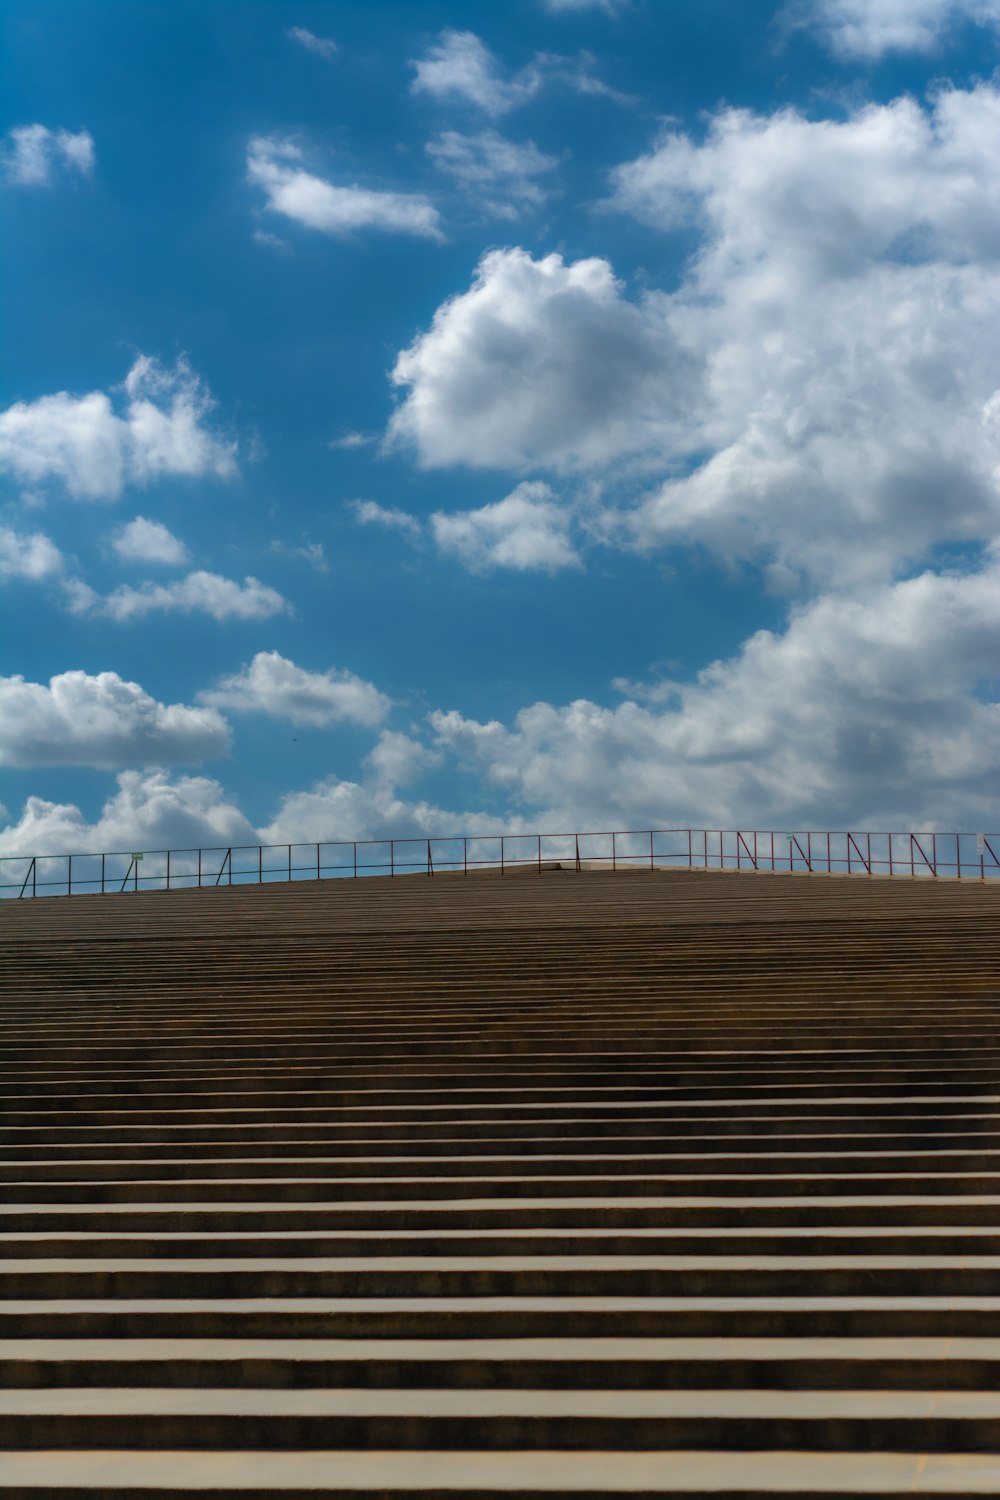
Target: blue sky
x=436, y=417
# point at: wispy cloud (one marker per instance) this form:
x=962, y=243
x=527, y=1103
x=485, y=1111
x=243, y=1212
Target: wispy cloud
x=460, y=66
x=333, y=209
x=323, y=46
x=310, y=552
x=32, y=155
x=498, y=174
x=368, y=513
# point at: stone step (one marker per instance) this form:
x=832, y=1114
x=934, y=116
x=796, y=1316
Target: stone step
x=518, y=1364
x=478, y=1474
x=501, y=1275
x=871, y=1242
x=637, y=1316
x=634, y=1420
x=705, y=1212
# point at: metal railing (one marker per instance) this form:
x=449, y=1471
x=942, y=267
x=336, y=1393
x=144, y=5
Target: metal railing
x=931, y=855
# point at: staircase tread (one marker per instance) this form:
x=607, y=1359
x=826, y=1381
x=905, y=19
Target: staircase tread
x=476, y=1472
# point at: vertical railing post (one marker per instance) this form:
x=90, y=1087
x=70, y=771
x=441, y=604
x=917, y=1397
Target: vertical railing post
x=614, y=854
x=104, y=857
x=501, y=854
x=869, y=853
x=578, y=853
x=848, y=854
x=539, y=854
x=260, y=864
x=465, y=854
x=650, y=851
x=889, y=837
x=69, y=875
x=912, y=870
x=289, y=864
x=958, y=857
x=934, y=853
x=690, y=853
x=392, y=858
x=355, y=859
x=168, y=872
x=199, y=867
x=317, y=861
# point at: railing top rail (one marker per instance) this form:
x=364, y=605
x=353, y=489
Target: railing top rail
x=470, y=838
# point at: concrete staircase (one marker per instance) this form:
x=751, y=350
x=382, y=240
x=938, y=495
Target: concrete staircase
x=647, y=1184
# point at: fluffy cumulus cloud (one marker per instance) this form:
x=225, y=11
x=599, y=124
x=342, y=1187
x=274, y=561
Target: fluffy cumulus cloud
x=528, y=530
x=150, y=810
x=541, y=362
x=28, y=555
x=155, y=810
x=323, y=46
x=820, y=391
x=867, y=711
x=34, y=155
x=276, y=166
x=868, y=28
x=843, y=299
x=93, y=451
x=149, y=541
x=498, y=175
x=196, y=593
x=102, y=721
x=273, y=685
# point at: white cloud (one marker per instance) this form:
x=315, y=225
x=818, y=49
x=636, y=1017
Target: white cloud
x=564, y=7
x=497, y=173
x=541, y=363
x=102, y=721
x=23, y=556
x=527, y=530
x=353, y=440
x=82, y=442
x=290, y=190
x=460, y=66
x=149, y=541
x=869, y=28
x=33, y=154
x=369, y=513
x=273, y=685
x=310, y=552
x=843, y=300
x=153, y=810
x=817, y=390
x=197, y=593
x=150, y=810
x=867, y=712
x=323, y=46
